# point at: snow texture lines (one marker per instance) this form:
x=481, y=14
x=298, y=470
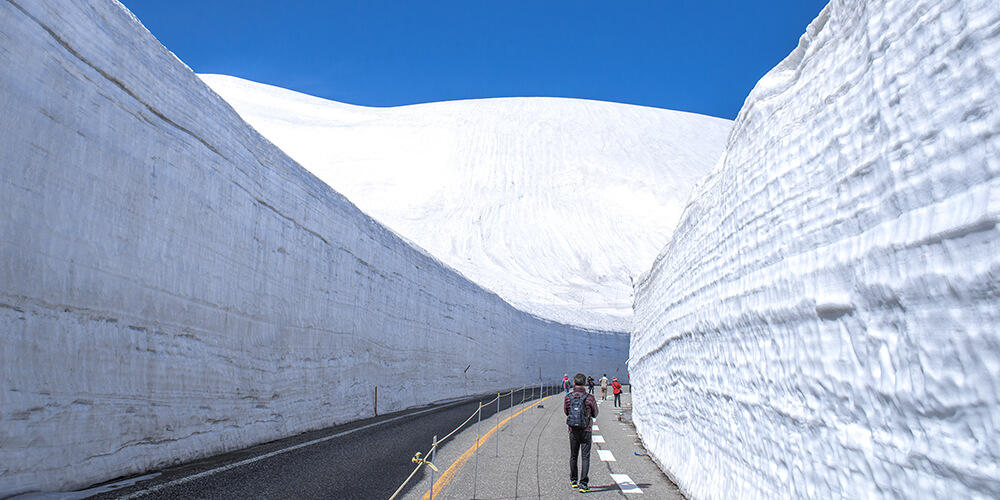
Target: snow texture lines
x=554, y=204
x=174, y=286
x=824, y=322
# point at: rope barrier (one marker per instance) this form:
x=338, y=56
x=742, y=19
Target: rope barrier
x=420, y=459
x=423, y=461
x=419, y=465
x=461, y=425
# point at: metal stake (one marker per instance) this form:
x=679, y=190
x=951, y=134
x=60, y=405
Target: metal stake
x=475, y=476
x=433, y=453
x=498, y=424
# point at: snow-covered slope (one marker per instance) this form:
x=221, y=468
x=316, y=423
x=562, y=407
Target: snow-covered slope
x=173, y=285
x=555, y=204
x=825, y=321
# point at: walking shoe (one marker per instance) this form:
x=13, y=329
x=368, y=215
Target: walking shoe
x=572, y=484
x=584, y=488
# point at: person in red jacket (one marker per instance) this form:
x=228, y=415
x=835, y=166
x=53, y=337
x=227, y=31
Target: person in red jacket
x=616, y=388
x=580, y=408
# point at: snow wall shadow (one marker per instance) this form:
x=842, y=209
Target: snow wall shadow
x=825, y=322
x=173, y=286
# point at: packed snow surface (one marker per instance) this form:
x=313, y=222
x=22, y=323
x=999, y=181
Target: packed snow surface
x=825, y=321
x=172, y=285
x=554, y=204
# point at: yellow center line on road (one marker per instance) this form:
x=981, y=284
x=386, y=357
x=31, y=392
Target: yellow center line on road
x=458, y=463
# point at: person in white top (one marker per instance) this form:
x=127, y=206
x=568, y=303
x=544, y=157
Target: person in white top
x=604, y=386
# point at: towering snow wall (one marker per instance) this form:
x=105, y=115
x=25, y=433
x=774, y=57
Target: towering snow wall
x=824, y=322
x=173, y=285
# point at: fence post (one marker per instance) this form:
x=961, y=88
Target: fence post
x=475, y=476
x=433, y=454
x=498, y=424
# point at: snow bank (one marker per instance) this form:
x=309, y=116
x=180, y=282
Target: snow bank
x=172, y=285
x=554, y=204
x=824, y=322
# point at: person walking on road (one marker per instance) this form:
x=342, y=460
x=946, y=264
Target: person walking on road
x=616, y=388
x=566, y=384
x=580, y=409
x=604, y=387
x=590, y=385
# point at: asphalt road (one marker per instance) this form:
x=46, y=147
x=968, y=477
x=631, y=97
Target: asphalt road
x=366, y=463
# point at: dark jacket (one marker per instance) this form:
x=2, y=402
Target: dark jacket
x=590, y=402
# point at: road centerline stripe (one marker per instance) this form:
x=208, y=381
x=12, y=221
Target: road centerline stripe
x=625, y=483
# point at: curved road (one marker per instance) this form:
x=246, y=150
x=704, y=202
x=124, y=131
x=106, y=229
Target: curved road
x=364, y=459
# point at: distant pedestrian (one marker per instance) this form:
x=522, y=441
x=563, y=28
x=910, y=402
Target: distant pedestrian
x=580, y=409
x=590, y=384
x=604, y=387
x=566, y=384
x=616, y=387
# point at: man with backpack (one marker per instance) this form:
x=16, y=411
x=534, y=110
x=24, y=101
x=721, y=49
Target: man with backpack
x=604, y=387
x=580, y=408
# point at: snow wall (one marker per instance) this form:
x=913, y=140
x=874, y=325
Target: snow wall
x=825, y=322
x=172, y=285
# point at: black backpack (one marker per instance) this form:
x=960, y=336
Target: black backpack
x=578, y=411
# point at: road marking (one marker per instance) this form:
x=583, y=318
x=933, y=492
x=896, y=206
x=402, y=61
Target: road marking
x=456, y=466
x=606, y=456
x=175, y=482
x=596, y=428
x=626, y=484
x=598, y=439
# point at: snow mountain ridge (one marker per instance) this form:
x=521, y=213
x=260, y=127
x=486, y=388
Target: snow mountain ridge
x=555, y=204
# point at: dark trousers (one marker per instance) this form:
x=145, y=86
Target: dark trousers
x=618, y=400
x=579, y=444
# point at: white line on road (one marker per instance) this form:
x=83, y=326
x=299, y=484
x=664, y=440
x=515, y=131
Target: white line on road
x=606, y=456
x=596, y=428
x=626, y=484
x=175, y=482
x=598, y=439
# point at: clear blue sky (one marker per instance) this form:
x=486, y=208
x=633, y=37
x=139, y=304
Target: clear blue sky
x=702, y=56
